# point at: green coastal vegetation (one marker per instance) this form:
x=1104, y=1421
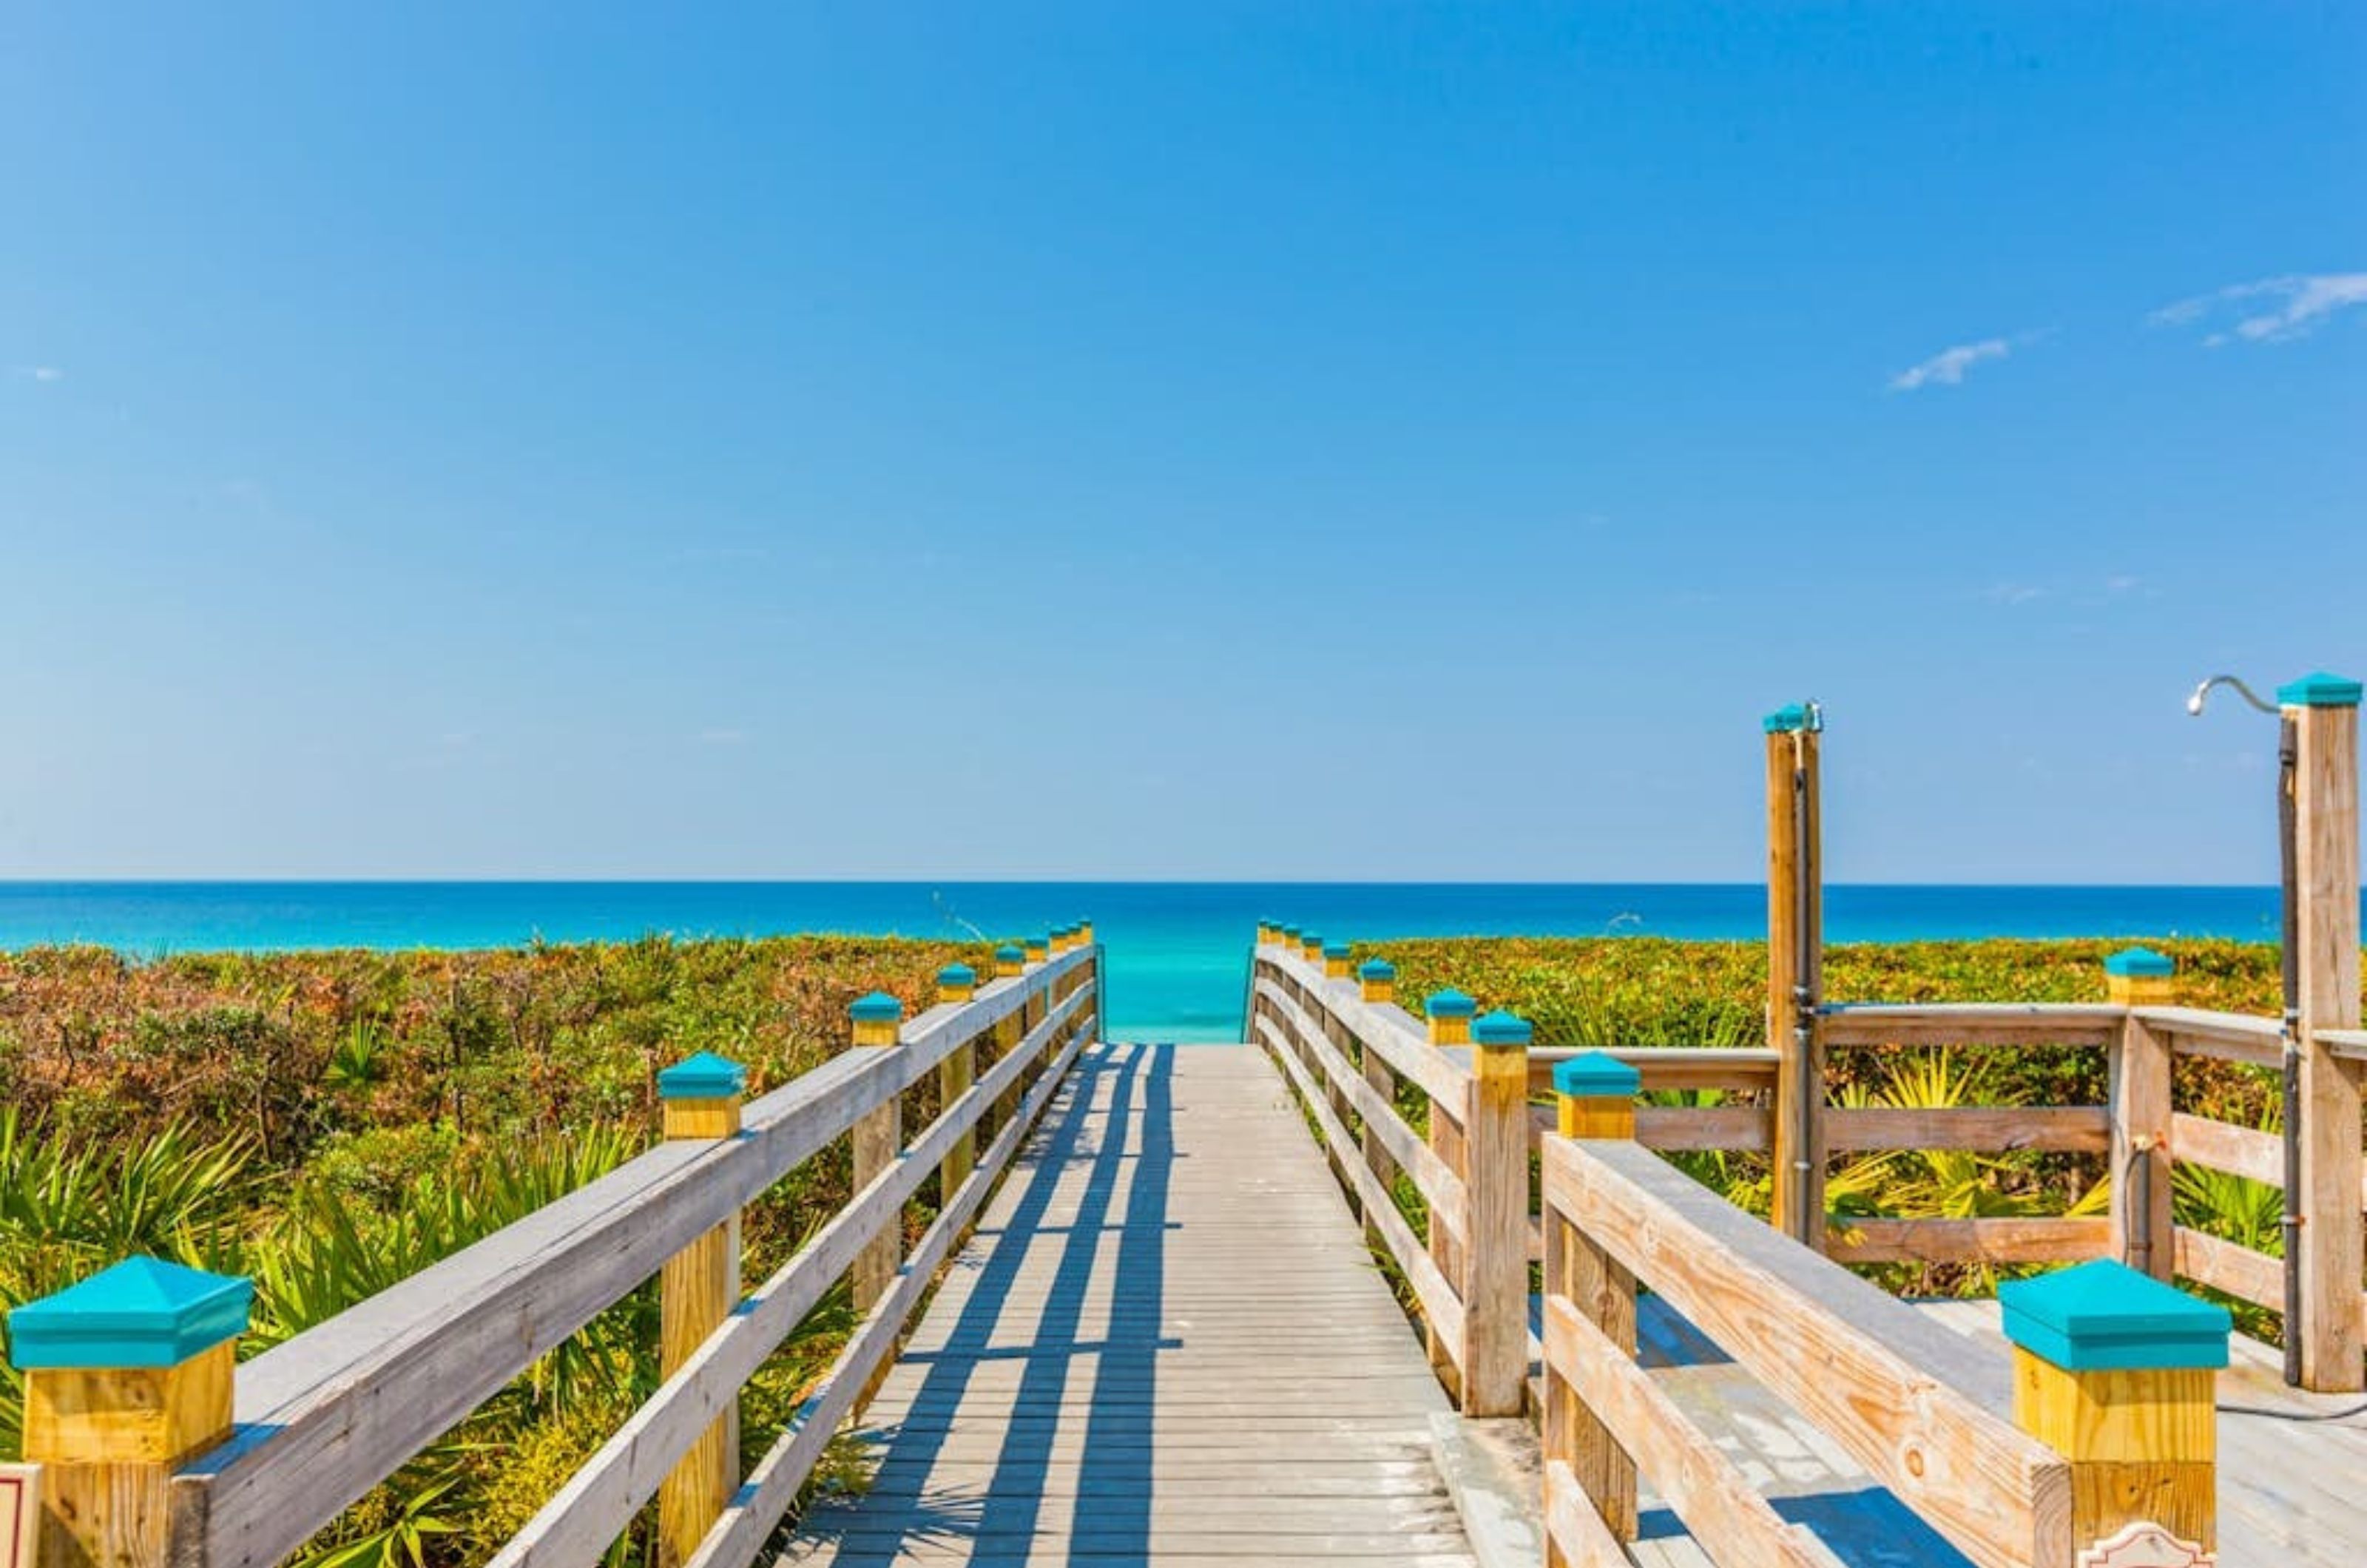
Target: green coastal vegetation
x=329, y=1123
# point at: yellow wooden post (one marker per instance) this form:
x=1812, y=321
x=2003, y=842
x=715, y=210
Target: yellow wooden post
x=1594, y=1097
x=698, y=1288
x=1310, y=948
x=1449, y=1014
x=1377, y=980
x=2141, y=1109
x=1335, y=960
x=1495, y=1263
x=127, y=1375
x=957, y=984
x=2323, y=712
x=2114, y=1371
x=1794, y=978
x=1010, y=964
x=878, y=1138
x=1039, y=949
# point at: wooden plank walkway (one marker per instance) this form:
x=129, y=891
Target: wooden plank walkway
x=1167, y=1345
x=2291, y=1491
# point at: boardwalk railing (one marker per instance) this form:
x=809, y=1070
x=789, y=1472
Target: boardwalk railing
x=2098, y=1429
x=224, y=1476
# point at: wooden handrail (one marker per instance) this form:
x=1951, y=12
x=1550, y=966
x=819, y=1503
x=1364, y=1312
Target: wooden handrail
x=331, y=1413
x=1972, y=1023
x=1924, y=1409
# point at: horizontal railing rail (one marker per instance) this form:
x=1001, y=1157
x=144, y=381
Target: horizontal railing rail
x=1925, y=1410
x=324, y=1417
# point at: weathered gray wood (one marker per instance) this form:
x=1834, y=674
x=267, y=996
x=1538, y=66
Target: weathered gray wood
x=1923, y=1410
x=1973, y=1023
x=741, y=1533
x=1440, y=1304
x=2229, y=1036
x=2351, y=1044
x=328, y=1415
x=1984, y=1129
x=1744, y=1067
x=1165, y=1345
x=1441, y=1187
x=1676, y=1127
x=1383, y=1028
x=587, y=1514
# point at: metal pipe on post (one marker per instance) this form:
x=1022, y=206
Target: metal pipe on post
x=2323, y=1117
x=1795, y=967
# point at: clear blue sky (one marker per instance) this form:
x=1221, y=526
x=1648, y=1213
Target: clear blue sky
x=1218, y=440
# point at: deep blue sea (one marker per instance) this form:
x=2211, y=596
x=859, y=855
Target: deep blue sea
x=1177, y=951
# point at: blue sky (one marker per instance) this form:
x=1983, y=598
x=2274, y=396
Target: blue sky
x=1225, y=440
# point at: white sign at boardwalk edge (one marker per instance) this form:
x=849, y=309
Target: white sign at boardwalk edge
x=2142, y=1545
x=20, y=1514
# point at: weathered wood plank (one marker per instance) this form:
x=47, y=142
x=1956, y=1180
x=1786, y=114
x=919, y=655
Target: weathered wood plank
x=1742, y=1069
x=1439, y=1301
x=1725, y=1513
x=1920, y=1408
x=1383, y=1028
x=2229, y=1036
x=1984, y=1129
x=2057, y=1024
x=1996, y=1240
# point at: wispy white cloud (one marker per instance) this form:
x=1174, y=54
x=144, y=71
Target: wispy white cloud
x=2012, y=593
x=722, y=737
x=2297, y=305
x=44, y=372
x=1947, y=368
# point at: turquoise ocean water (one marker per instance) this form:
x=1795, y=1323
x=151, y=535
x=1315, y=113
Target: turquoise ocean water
x=1177, y=951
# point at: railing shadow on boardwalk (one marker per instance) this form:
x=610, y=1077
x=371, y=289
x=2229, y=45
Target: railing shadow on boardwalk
x=1132, y=1088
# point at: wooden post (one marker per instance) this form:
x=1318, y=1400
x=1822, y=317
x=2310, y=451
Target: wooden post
x=698, y=1288
x=2140, y=1098
x=2324, y=711
x=1010, y=964
x=1377, y=980
x=1496, y=1264
x=1039, y=949
x=1795, y=969
x=1310, y=948
x=1449, y=1014
x=1594, y=1098
x=1265, y=933
x=957, y=984
x=1335, y=960
x=127, y=1375
x=2114, y=1371
x=879, y=1137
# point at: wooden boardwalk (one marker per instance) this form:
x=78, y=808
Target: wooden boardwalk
x=2291, y=1491
x=1166, y=1344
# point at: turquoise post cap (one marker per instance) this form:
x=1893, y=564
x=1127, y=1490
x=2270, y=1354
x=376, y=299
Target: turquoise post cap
x=957, y=975
x=1035, y=941
x=1335, y=950
x=1291, y=933
x=1448, y=1003
x=1596, y=1075
x=704, y=1077
x=2320, y=690
x=1499, y=1028
x=2105, y=1316
x=143, y=1312
x=1010, y=952
x=2139, y=962
x=1794, y=718
x=877, y=1008
x=1306, y=937
x=1377, y=969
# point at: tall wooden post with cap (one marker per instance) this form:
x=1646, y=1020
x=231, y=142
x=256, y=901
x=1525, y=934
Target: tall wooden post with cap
x=1496, y=1264
x=879, y=1137
x=127, y=1375
x=698, y=1288
x=1448, y=1013
x=1594, y=1097
x=2324, y=713
x=957, y=984
x=2141, y=1109
x=1796, y=923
